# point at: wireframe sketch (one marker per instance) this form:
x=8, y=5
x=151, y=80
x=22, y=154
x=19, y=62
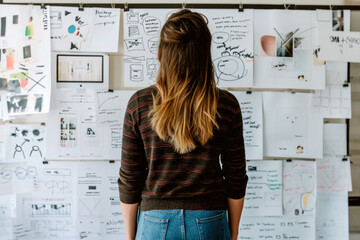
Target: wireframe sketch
x=90, y=207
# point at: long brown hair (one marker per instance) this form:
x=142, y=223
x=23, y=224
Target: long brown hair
x=185, y=105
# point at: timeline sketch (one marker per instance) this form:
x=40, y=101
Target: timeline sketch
x=25, y=143
x=232, y=47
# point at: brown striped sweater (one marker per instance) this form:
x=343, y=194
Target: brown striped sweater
x=154, y=174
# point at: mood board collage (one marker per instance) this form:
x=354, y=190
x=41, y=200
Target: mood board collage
x=58, y=182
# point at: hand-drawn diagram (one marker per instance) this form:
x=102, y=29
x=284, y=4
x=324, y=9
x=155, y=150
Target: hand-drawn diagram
x=17, y=178
x=24, y=61
x=264, y=190
x=231, y=47
x=299, y=188
x=79, y=30
x=286, y=51
x=25, y=142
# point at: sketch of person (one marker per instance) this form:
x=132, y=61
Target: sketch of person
x=35, y=148
x=29, y=30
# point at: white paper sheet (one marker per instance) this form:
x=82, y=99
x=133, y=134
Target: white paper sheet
x=99, y=212
x=16, y=178
x=232, y=45
x=284, y=46
x=291, y=129
x=334, y=101
x=336, y=41
x=251, y=110
x=336, y=72
x=333, y=174
x=25, y=143
x=25, y=79
x=264, y=188
x=332, y=216
x=92, y=30
x=335, y=139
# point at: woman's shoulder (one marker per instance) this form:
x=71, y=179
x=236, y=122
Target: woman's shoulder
x=142, y=95
x=227, y=98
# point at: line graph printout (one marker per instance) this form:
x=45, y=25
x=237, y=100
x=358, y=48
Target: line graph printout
x=111, y=107
x=264, y=189
x=232, y=45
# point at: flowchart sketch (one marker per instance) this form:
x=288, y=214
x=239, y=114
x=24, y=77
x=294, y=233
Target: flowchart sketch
x=231, y=47
x=264, y=189
x=285, y=50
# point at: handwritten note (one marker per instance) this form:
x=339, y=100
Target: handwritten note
x=333, y=174
x=251, y=110
x=264, y=189
x=276, y=228
x=336, y=41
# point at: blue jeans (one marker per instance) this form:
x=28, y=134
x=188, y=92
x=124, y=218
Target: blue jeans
x=179, y=224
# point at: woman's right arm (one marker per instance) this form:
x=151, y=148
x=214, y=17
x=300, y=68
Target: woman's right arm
x=234, y=170
x=235, y=210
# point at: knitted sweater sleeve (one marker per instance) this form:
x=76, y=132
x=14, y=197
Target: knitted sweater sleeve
x=233, y=158
x=133, y=170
